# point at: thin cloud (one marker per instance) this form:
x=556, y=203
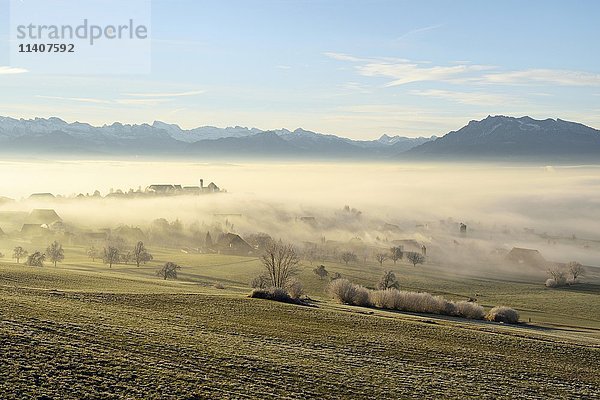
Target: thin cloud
x=402, y=72
x=143, y=102
x=418, y=30
x=543, y=76
x=344, y=57
x=76, y=99
x=168, y=94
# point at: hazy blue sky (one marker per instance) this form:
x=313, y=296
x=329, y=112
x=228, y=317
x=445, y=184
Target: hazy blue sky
x=353, y=68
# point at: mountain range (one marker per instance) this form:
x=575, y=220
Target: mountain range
x=495, y=137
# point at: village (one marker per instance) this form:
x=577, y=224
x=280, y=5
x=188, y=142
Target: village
x=441, y=245
x=154, y=190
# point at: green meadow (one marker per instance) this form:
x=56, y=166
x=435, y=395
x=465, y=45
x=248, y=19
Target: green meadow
x=84, y=330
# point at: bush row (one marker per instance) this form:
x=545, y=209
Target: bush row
x=347, y=292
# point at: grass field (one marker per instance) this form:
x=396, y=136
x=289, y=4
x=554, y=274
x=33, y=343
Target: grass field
x=82, y=330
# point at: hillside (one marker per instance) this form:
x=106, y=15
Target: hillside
x=110, y=334
x=514, y=138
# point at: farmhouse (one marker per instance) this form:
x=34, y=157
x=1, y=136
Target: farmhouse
x=42, y=221
x=164, y=189
x=42, y=196
x=410, y=246
x=530, y=257
x=168, y=189
x=230, y=243
x=42, y=217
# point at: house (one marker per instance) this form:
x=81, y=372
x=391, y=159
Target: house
x=42, y=221
x=307, y=220
x=32, y=230
x=93, y=238
x=211, y=188
x=529, y=257
x=166, y=189
x=230, y=243
x=42, y=217
x=42, y=196
x=162, y=189
x=410, y=246
x=130, y=233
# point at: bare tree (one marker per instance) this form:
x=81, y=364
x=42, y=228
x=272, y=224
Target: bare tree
x=260, y=282
x=575, y=269
x=415, y=258
x=321, y=272
x=55, y=252
x=281, y=264
x=169, y=270
x=381, y=257
x=349, y=256
x=36, y=259
x=92, y=253
x=396, y=253
x=126, y=258
x=111, y=256
x=140, y=254
x=388, y=281
x=19, y=253
x=558, y=275
x=310, y=254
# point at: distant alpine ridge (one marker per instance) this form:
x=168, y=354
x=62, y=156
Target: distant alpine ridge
x=41, y=136
x=495, y=137
x=514, y=138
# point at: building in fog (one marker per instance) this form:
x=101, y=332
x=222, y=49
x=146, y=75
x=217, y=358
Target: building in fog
x=169, y=189
x=528, y=257
x=230, y=243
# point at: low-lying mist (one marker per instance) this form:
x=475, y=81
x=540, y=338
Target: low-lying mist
x=552, y=209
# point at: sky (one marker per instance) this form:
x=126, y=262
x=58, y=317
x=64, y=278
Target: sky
x=357, y=69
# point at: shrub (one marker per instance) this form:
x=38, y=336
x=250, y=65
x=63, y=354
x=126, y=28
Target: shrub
x=558, y=276
x=341, y=290
x=423, y=303
x=467, y=309
x=361, y=297
x=393, y=299
x=295, y=289
x=334, y=276
x=551, y=283
x=388, y=298
x=346, y=292
x=276, y=294
x=503, y=314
